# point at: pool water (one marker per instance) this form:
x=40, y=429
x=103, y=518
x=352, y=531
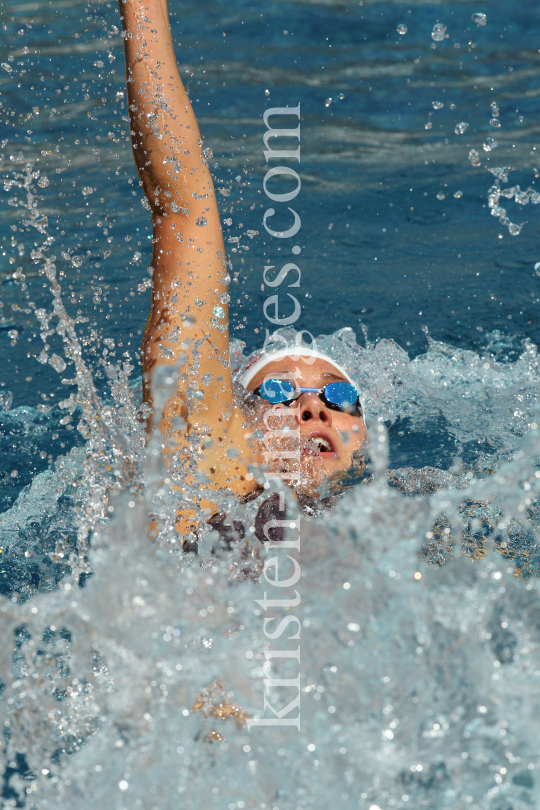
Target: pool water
x=419, y=680
x=371, y=172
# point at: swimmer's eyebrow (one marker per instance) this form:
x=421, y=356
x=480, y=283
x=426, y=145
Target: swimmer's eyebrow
x=276, y=374
x=333, y=376
x=323, y=376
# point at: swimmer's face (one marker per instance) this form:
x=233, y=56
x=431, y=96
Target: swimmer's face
x=326, y=438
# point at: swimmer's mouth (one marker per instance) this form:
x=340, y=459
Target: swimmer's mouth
x=321, y=444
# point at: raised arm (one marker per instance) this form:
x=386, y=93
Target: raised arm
x=189, y=315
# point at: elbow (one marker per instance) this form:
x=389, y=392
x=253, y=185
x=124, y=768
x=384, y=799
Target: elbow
x=162, y=198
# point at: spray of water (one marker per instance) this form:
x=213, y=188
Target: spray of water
x=420, y=643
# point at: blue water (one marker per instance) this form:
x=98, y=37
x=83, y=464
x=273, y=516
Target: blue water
x=378, y=246
x=377, y=243
x=389, y=244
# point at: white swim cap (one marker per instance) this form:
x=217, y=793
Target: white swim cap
x=295, y=351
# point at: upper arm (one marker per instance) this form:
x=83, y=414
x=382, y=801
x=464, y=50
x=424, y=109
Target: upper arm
x=190, y=281
x=188, y=328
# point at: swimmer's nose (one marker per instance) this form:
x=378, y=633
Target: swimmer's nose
x=310, y=406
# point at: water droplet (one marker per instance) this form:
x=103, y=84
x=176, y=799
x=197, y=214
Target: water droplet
x=6, y=399
x=494, y=108
x=458, y=194
x=87, y=190
x=441, y=195
x=479, y=18
x=461, y=127
x=6, y=67
x=98, y=64
x=224, y=298
x=428, y=125
x=402, y=29
x=439, y=32
x=200, y=221
x=515, y=229
x=137, y=256
x=437, y=105
x=327, y=102
x=43, y=182
x=489, y=144
x=13, y=334
x=341, y=96
x=166, y=351
x=501, y=173
x=267, y=92
x=145, y=203
x=238, y=178
x=495, y=122
x=536, y=269
x=76, y=261
x=474, y=158
x=57, y=363
x=219, y=312
x=175, y=208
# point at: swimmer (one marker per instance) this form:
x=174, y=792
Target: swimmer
x=188, y=324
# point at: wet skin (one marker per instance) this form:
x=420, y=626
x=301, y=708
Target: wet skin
x=341, y=434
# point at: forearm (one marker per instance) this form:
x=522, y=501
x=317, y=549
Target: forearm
x=165, y=137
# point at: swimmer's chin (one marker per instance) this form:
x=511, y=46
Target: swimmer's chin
x=315, y=478
x=320, y=479
x=339, y=481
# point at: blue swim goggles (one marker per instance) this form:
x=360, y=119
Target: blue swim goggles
x=339, y=396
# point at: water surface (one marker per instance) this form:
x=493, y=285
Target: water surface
x=417, y=691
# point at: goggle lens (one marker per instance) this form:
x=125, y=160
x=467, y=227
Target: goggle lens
x=276, y=391
x=340, y=395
